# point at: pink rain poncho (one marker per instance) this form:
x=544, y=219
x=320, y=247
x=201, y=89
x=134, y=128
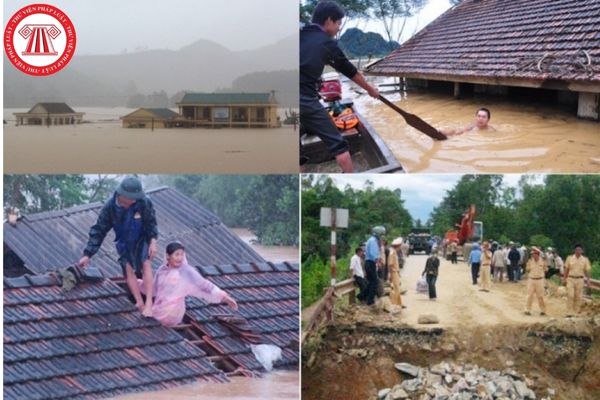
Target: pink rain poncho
x=172, y=285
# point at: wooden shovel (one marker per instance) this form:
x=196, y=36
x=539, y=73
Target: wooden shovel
x=415, y=121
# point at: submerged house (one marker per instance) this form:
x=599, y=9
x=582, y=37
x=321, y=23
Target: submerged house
x=250, y=110
x=503, y=46
x=49, y=114
x=91, y=342
x=151, y=118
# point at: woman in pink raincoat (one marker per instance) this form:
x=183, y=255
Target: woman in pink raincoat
x=175, y=280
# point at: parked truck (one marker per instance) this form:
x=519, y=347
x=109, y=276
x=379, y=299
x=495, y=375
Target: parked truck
x=419, y=240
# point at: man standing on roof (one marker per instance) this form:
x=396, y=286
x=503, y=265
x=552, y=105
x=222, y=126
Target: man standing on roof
x=131, y=215
x=317, y=49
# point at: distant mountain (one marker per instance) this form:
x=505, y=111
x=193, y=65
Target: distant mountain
x=357, y=43
x=284, y=83
x=114, y=80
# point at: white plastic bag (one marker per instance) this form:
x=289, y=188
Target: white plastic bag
x=422, y=286
x=266, y=354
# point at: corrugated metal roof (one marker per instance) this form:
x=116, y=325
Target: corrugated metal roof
x=56, y=239
x=55, y=108
x=523, y=39
x=166, y=113
x=90, y=342
x=225, y=98
x=267, y=295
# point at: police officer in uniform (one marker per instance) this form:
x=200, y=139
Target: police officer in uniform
x=577, y=267
x=536, y=269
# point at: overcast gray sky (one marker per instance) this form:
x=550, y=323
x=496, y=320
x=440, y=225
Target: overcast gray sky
x=432, y=10
x=110, y=26
x=421, y=192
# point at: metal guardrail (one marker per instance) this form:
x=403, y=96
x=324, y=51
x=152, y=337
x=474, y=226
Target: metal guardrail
x=323, y=313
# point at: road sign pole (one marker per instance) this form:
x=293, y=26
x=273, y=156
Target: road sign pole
x=333, y=246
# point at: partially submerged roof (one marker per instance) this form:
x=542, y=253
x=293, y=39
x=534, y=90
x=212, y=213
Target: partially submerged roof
x=56, y=239
x=556, y=43
x=227, y=99
x=53, y=108
x=91, y=342
x=159, y=113
x=267, y=295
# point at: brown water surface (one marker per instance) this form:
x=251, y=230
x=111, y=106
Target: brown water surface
x=275, y=385
x=103, y=145
x=270, y=253
x=529, y=137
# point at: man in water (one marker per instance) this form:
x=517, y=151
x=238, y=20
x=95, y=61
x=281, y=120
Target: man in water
x=482, y=119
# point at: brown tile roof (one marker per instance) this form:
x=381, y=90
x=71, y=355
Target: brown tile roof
x=90, y=342
x=267, y=295
x=523, y=39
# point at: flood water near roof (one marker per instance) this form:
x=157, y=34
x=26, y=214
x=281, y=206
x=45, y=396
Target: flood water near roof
x=274, y=385
x=274, y=254
x=104, y=145
x=529, y=137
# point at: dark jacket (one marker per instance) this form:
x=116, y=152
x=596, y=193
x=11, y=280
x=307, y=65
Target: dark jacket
x=514, y=256
x=318, y=49
x=432, y=266
x=132, y=225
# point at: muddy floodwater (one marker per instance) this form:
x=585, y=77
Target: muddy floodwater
x=104, y=145
x=529, y=137
x=270, y=253
x=277, y=385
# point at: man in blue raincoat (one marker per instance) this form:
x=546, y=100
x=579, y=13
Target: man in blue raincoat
x=131, y=215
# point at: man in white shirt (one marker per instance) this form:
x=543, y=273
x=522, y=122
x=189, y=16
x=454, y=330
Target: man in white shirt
x=358, y=273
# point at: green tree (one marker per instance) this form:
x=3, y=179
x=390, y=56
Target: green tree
x=36, y=193
x=367, y=207
x=266, y=204
x=393, y=15
x=484, y=191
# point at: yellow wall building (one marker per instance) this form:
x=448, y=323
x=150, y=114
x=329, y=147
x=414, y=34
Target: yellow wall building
x=244, y=110
x=151, y=118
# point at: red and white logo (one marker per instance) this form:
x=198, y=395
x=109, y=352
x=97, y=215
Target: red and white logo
x=39, y=39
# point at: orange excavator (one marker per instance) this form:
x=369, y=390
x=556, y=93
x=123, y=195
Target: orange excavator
x=468, y=228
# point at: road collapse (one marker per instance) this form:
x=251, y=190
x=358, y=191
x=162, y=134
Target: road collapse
x=379, y=359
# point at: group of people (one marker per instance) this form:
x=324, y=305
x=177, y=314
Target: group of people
x=489, y=262
x=130, y=213
x=377, y=264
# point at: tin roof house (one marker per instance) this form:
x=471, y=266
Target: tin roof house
x=497, y=45
x=243, y=110
x=91, y=342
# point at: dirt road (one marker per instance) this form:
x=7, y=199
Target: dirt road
x=462, y=304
